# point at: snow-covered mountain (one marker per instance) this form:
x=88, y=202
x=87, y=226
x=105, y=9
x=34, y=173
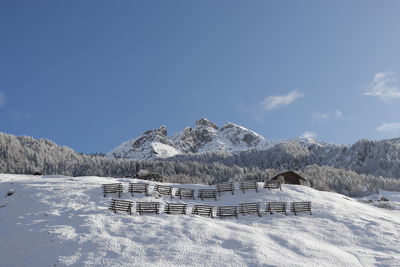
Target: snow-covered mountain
x=151, y=144
x=204, y=137
x=233, y=145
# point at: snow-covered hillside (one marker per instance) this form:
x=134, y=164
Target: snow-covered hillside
x=204, y=137
x=64, y=221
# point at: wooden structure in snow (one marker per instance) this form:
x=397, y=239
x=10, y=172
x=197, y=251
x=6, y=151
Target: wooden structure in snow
x=115, y=188
x=247, y=208
x=175, y=208
x=289, y=177
x=203, y=210
x=297, y=207
x=225, y=187
x=121, y=205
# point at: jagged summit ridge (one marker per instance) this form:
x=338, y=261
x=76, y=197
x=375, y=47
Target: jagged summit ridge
x=205, y=123
x=204, y=137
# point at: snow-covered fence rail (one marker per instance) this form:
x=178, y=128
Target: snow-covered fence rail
x=163, y=190
x=304, y=206
x=184, y=193
x=248, y=185
x=207, y=193
x=121, y=205
x=175, y=208
x=278, y=207
x=140, y=188
x=203, y=210
x=227, y=211
x=272, y=185
x=246, y=208
x=115, y=188
x=147, y=207
x=225, y=187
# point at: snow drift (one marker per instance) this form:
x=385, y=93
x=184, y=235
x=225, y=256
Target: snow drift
x=56, y=220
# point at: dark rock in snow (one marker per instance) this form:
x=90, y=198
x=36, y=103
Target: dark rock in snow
x=10, y=192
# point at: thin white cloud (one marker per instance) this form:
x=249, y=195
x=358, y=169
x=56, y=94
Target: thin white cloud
x=383, y=86
x=339, y=114
x=309, y=135
x=277, y=101
x=19, y=116
x=2, y=99
x=320, y=116
x=389, y=127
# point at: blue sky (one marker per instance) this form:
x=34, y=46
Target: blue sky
x=91, y=74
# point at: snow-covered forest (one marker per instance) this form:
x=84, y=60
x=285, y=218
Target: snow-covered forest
x=25, y=155
x=379, y=158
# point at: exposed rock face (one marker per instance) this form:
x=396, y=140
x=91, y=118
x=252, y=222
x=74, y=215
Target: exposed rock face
x=205, y=136
x=239, y=135
x=151, y=144
x=205, y=132
x=205, y=122
x=159, y=134
x=187, y=140
x=162, y=131
x=363, y=156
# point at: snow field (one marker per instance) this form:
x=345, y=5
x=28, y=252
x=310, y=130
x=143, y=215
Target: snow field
x=65, y=221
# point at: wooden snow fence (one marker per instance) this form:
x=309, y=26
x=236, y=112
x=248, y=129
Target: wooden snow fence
x=247, y=208
x=163, y=190
x=272, y=185
x=225, y=187
x=248, y=185
x=138, y=188
x=147, y=207
x=184, y=193
x=276, y=207
x=115, y=188
x=121, y=205
x=297, y=207
x=227, y=211
x=207, y=193
x=175, y=208
x=203, y=210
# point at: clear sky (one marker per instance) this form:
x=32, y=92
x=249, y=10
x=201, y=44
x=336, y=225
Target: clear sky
x=92, y=74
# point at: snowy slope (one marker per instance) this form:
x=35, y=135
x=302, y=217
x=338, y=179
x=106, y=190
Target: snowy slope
x=152, y=144
x=232, y=137
x=64, y=221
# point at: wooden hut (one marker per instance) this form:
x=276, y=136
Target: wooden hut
x=289, y=177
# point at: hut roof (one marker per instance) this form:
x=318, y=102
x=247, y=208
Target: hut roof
x=292, y=172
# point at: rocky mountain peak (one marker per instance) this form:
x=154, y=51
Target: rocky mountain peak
x=205, y=122
x=162, y=131
x=204, y=137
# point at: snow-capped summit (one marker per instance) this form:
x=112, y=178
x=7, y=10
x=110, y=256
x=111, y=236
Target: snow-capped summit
x=204, y=137
x=230, y=137
x=205, y=123
x=151, y=144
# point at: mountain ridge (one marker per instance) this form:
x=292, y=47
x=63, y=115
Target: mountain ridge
x=204, y=137
x=234, y=145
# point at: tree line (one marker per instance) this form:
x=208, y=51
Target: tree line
x=25, y=155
